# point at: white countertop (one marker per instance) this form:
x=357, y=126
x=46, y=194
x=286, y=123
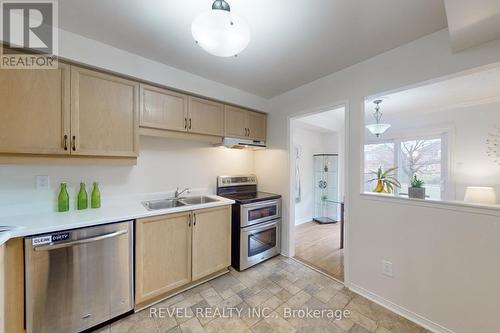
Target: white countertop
x=131, y=208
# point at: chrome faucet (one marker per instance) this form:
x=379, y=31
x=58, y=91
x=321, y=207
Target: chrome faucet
x=177, y=193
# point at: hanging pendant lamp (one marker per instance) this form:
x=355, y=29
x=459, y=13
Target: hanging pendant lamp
x=220, y=32
x=378, y=128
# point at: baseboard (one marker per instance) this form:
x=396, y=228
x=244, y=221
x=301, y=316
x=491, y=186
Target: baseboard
x=303, y=220
x=412, y=316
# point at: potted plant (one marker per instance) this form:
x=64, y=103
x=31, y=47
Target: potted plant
x=417, y=189
x=386, y=180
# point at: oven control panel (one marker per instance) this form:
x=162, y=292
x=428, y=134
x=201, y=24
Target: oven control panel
x=225, y=181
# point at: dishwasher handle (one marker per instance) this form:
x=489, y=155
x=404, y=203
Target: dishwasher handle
x=80, y=241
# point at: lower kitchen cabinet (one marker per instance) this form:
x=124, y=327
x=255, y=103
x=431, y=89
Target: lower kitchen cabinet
x=175, y=251
x=12, y=286
x=211, y=241
x=163, y=255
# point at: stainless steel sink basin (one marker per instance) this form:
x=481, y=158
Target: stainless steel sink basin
x=172, y=203
x=163, y=204
x=198, y=200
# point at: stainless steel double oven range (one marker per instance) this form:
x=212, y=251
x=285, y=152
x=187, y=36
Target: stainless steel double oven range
x=256, y=220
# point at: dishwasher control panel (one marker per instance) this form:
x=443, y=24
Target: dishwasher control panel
x=47, y=239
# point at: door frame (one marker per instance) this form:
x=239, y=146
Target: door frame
x=291, y=179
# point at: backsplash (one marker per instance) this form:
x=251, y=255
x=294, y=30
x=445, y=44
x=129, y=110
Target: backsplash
x=163, y=165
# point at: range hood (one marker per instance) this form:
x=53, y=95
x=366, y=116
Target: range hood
x=237, y=143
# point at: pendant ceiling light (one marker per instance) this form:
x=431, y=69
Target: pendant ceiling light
x=378, y=129
x=220, y=32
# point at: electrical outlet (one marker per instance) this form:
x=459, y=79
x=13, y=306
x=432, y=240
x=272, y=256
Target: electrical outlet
x=42, y=182
x=387, y=268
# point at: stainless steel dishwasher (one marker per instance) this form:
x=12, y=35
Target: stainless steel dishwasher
x=79, y=278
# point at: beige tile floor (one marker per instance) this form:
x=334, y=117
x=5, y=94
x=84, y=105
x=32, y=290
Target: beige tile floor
x=278, y=287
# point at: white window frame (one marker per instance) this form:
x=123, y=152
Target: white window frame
x=443, y=134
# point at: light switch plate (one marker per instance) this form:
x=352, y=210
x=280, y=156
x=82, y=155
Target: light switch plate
x=42, y=182
x=387, y=268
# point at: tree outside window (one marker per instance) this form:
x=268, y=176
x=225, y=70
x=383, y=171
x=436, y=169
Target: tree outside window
x=421, y=157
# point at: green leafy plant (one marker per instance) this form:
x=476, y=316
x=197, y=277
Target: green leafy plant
x=386, y=180
x=416, y=182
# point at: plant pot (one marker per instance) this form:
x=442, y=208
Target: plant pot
x=416, y=193
x=379, y=188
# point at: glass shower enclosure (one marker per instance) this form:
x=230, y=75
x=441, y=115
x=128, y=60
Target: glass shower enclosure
x=327, y=204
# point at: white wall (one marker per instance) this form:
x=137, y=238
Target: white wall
x=445, y=261
x=310, y=142
x=163, y=165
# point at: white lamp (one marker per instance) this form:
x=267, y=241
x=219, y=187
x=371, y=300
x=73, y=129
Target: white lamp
x=480, y=195
x=220, y=32
x=378, y=128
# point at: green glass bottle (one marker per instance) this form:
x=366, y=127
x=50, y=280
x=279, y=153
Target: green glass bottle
x=82, y=198
x=63, y=199
x=95, y=200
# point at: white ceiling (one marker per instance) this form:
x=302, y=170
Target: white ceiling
x=293, y=42
x=324, y=122
x=472, y=23
x=477, y=88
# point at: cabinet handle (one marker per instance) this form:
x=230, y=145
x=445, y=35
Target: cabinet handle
x=185, y=123
x=194, y=215
x=65, y=142
x=249, y=132
x=189, y=222
x=73, y=143
x=246, y=131
x=190, y=123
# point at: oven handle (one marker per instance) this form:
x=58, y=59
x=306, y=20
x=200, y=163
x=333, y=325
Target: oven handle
x=260, y=227
x=260, y=204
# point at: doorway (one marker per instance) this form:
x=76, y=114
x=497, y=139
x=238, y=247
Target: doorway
x=318, y=179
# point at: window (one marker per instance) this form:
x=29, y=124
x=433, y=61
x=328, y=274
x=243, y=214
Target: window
x=423, y=157
x=377, y=155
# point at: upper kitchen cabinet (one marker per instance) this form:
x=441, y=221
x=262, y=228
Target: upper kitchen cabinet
x=257, y=125
x=235, y=122
x=104, y=114
x=246, y=124
x=35, y=111
x=163, y=109
x=205, y=117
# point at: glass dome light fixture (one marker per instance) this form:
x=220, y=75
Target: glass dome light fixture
x=220, y=32
x=378, y=128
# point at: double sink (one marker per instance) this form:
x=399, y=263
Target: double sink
x=177, y=202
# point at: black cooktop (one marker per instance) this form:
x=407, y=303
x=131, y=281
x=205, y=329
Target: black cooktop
x=250, y=197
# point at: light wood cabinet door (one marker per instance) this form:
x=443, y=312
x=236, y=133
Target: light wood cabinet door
x=235, y=122
x=12, y=286
x=163, y=255
x=104, y=114
x=211, y=241
x=163, y=109
x=34, y=111
x=206, y=117
x=256, y=124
